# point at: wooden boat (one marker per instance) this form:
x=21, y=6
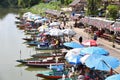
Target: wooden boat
x=44, y=64
x=18, y=17
x=23, y=61
x=31, y=31
x=39, y=59
x=21, y=26
x=53, y=75
x=28, y=39
x=47, y=48
x=33, y=43
x=45, y=55
x=18, y=22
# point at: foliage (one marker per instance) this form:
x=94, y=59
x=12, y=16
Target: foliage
x=112, y=11
x=68, y=1
x=41, y=7
x=27, y=3
x=92, y=7
x=18, y=3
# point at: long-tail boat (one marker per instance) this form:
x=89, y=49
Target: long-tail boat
x=45, y=63
x=53, y=74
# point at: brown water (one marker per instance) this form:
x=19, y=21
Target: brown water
x=10, y=45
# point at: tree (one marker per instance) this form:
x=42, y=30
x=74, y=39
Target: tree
x=92, y=7
x=18, y=3
x=62, y=1
x=68, y=1
x=113, y=11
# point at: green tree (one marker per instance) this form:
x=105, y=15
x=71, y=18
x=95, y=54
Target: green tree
x=93, y=6
x=113, y=11
x=18, y=3
x=68, y=1
x=62, y=1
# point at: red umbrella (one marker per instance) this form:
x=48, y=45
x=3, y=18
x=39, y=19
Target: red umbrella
x=89, y=43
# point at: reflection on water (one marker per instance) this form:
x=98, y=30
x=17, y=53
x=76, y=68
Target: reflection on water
x=35, y=69
x=5, y=11
x=20, y=65
x=10, y=46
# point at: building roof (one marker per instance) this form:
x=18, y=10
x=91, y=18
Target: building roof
x=75, y=2
x=53, y=12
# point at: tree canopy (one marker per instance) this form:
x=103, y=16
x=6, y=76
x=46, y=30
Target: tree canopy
x=18, y=3
x=113, y=11
x=92, y=7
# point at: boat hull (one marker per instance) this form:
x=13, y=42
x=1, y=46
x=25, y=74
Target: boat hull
x=52, y=77
x=43, y=64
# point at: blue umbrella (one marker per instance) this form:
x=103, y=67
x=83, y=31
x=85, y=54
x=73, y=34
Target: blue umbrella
x=100, y=62
x=57, y=67
x=94, y=50
x=75, y=59
x=73, y=45
x=113, y=77
x=44, y=19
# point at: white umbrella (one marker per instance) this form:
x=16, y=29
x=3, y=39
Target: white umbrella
x=38, y=21
x=69, y=32
x=43, y=28
x=75, y=51
x=27, y=14
x=54, y=24
x=56, y=32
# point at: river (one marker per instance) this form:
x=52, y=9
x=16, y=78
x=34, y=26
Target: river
x=11, y=44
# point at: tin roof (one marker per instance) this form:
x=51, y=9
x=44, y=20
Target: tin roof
x=75, y=2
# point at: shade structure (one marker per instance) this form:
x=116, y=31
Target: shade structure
x=83, y=59
x=33, y=17
x=37, y=17
x=38, y=21
x=75, y=51
x=73, y=45
x=74, y=59
x=57, y=67
x=89, y=43
x=54, y=24
x=100, y=62
x=94, y=50
x=56, y=32
x=113, y=77
x=43, y=28
x=27, y=14
x=44, y=19
x=115, y=26
x=69, y=32
x=73, y=56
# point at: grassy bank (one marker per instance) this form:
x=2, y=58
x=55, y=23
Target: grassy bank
x=41, y=7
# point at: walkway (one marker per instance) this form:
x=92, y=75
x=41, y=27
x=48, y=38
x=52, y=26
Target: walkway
x=102, y=42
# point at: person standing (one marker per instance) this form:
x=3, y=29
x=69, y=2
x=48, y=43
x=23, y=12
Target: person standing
x=95, y=37
x=80, y=39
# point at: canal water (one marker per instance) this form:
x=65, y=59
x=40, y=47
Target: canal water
x=11, y=44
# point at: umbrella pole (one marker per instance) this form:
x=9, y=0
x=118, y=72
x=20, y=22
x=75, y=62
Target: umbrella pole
x=111, y=70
